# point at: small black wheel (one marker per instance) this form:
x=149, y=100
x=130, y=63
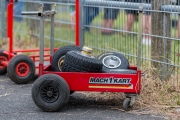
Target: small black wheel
x=50, y=92
x=121, y=71
x=126, y=104
x=113, y=60
x=3, y=57
x=75, y=61
x=58, y=57
x=21, y=69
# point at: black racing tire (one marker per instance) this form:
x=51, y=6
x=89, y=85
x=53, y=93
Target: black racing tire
x=58, y=57
x=75, y=61
x=113, y=60
x=21, y=69
x=50, y=92
x=3, y=57
x=126, y=104
x=121, y=71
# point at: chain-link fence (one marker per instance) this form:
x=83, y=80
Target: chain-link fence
x=26, y=28
x=2, y=20
x=111, y=25
x=115, y=28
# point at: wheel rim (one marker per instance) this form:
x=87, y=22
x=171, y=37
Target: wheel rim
x=60, y=63
x=111, y=61
x=49, y=93
x=2, y=58
x=22, y=69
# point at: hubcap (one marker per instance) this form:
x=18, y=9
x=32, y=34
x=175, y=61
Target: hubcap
x=111, y=61
x=49, y=93
x=22, y=69
x=60, y=63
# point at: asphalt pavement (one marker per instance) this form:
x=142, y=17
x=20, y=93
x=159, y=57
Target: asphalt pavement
x=16, y=104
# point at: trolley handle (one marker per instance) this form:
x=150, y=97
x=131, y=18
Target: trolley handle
x=31, y=13
x=46, y=13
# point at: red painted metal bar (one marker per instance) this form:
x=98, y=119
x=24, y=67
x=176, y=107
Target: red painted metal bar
x=5, y=63
x=41, y=68
x=8, y=53
x=77, y=22
x=33, y=50
x=44, y=60
x=46, y=55
x=10, y=26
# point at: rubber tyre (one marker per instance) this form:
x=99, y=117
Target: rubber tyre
x=126, y=104
x=59, y=56
x=3, y=57
x=58, y=94
x=75, y=62
x=118, y=61
x=121, y=71
x=21, y=69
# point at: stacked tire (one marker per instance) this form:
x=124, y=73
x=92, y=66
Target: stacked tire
x=75, y=61
x=58, y=57
x=71, y=59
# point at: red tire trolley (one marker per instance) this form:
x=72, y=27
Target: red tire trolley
x=50, y=92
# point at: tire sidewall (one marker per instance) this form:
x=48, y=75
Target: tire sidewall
x=3, y=70
x=126, y=104
x=59, y=54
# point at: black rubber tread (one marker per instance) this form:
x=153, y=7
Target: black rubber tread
x=124, y=60
x=11, y=69
x=126, y=104
x=3, y=70
x=75, y=62
x=121, y=71
x=63, y=89
x=60, y=53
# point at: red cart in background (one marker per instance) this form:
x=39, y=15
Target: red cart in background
x=20, y=68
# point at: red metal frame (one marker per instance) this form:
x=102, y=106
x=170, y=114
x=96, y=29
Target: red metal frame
x=11, y=53
x=77, y=23
x=10, y=26
x=79, y=81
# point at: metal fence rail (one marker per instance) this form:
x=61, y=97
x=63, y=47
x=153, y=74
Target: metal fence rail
x=112, y=25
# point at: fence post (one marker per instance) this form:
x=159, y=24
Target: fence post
x=3, y=9
x=160, y=45
x=139, y=37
